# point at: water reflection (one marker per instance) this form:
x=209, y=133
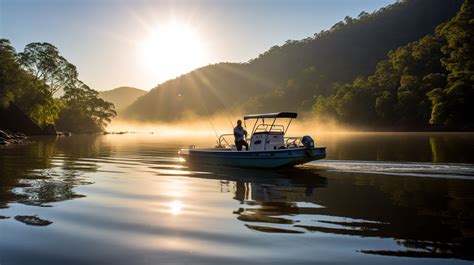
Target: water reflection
x=44, y=172
x=425, y=217
x=175, y=207
x=409, y=147
x=32, y=220
x=119, y=197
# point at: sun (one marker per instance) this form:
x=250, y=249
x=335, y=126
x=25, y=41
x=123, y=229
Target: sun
x=173, y=49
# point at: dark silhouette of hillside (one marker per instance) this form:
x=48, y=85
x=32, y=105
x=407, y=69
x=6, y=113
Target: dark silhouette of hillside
x=272, y=81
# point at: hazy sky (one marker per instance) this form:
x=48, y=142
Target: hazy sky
x=105, y=39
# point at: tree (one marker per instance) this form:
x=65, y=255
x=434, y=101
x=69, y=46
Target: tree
x=20, y=87
x=31, y=79
x=385, y=106
x=45, y=63
x=9, y=73
x=456, y=101
x=424, y=83
x=83, y=110
x=362, y=15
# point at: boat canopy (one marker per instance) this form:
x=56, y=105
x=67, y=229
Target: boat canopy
x=275, y=115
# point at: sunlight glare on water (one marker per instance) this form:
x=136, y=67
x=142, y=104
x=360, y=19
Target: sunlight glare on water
x=175, y=207
x=129, y=199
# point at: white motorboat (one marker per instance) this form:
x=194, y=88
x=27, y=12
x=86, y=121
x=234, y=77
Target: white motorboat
x=268, y=147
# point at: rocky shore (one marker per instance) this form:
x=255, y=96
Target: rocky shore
x=15, y=126
x=7, y=137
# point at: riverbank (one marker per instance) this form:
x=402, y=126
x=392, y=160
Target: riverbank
x=7, y=138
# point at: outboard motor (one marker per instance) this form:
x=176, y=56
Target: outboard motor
x=307, y=141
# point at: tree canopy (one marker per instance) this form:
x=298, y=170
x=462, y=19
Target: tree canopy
x=32, y=78
x=425, y=84
x=45, y=63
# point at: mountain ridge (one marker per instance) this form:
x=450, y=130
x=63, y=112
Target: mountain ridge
x=122, y=96
x=349, y=49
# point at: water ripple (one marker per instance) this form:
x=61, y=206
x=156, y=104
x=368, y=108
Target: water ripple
x=434, y=170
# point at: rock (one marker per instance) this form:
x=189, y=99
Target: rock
x=13, y=119
x=20, y=136
x=7, y=137
x=49, y=129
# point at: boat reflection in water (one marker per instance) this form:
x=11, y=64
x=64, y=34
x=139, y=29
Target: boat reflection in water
x=424, y=217
x=143, y=202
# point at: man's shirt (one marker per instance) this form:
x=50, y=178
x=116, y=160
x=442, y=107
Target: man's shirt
x=239, y=133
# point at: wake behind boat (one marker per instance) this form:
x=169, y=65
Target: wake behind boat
x=269, y=147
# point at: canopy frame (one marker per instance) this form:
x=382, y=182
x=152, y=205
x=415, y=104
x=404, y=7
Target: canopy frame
x=275, y=116
x=291, y=115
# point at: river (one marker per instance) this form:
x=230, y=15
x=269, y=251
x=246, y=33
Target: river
x=392, y=198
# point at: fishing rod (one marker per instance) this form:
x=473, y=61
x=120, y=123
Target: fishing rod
x=230, y=121
x=212, y=124
x=215, y=131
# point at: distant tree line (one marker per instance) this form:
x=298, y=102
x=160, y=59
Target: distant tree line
x=32, y=80
x=427, y=83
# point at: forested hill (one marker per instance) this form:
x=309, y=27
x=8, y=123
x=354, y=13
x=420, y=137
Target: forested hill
x=122, y=97
x=290, y=76
x=426, y=84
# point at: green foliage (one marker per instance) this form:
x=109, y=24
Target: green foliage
x=31, y=78
x=84, y=111
x=425, y=83
x=10, y=73
x=457, y=99
x=45, y=63
x=21, y=87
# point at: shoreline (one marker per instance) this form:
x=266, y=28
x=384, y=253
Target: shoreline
x=8, y=138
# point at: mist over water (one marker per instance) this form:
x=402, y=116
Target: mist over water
x=129, y=199
x=393, y=153
x=343, y=142
x=208, y=126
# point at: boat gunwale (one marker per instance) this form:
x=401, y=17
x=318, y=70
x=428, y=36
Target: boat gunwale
x=268, y=157
x=218, y=150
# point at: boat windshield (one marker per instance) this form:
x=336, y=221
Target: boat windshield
x=269, y=128
x=261, y=126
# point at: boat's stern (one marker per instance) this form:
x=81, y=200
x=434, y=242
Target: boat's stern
x=313, y=152
x=316, y=153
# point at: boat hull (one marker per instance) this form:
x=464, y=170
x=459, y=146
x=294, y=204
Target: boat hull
x=254, y=159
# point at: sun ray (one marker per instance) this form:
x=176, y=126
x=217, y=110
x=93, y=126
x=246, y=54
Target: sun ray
x=172, y=49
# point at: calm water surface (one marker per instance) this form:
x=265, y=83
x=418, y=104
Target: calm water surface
x=128, y=199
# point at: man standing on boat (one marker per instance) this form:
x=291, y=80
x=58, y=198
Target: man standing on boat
x=240, y=133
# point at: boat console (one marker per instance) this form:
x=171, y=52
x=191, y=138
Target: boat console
x=263, y=141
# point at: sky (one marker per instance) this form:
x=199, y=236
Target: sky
x=142, y=43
